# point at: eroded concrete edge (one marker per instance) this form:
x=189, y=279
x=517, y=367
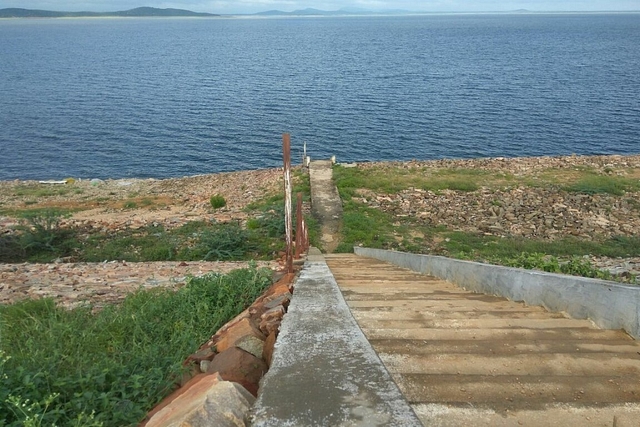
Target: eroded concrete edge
x=608, y=304
x=324, y=371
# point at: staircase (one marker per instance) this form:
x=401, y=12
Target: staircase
x=466, y=359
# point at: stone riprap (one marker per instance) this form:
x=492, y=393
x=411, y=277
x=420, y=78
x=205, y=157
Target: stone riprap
x=112, y=205
x=545, y=212
x=222, y=378
x=98, y=284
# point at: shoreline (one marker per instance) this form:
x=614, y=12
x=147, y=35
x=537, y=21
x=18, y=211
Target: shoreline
x=482, y=162
x=112, y=206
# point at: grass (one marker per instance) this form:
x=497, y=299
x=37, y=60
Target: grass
x=370, y=227
x=41, y=238
x=388, y=179
x=110, y=368
x=393, y=178
x=603, y=184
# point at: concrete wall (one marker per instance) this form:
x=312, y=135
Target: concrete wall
x=610, y=305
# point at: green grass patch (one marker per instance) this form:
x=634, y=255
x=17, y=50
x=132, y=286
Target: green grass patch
x=390, y=180
x=217, y=201
x=364, y=226
x=476, y=246
x=117, y=364
x=603, y=184
x=42, y=190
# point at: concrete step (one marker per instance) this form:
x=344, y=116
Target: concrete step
x=488, y=333
x=538, y=363
x=502, y=392
x=399, y=313
x=612, y=347
x=471, y=359
x=511, y=323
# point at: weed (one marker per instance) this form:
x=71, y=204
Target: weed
x=41, y=236
x=39, y=191
x=71, y=367
x=364, y=226
x=217, y=201
x=220, y=243
x=596, y=184
x=576, y=266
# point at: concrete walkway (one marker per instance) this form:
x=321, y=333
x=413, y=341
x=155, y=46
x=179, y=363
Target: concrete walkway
x=326, y=205
x=324, y=372
x=467, y=359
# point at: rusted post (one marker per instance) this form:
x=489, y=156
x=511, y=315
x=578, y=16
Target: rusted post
x=286, y=154
x=299, y=228
x=305, y=236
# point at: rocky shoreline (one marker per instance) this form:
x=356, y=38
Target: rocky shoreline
x=545, y=212
x=111, y=205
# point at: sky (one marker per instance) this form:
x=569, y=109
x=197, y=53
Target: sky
x=253, y=6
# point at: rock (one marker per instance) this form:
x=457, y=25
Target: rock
x=281, y=300
x=241, y=329
x=270, y=320
x=206, y=353
x=204, y=365
x=252, y=345
x=237, y=365
x=269, y=344
x=208, y=402
x=173, y=396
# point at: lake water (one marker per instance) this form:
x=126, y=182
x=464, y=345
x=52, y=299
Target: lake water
x=112, y=98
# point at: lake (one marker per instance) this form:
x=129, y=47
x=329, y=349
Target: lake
x=165, y=97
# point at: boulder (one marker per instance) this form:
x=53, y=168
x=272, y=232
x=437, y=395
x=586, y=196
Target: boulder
x=208, y=402
x=235, y=364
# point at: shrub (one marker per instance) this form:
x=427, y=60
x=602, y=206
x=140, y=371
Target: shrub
x=222, y=242
x=40, y=237
x=217, y=201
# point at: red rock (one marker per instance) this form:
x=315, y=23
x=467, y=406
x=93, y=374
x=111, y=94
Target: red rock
x=241, y=329
x=177, y=393
x=206, y=353
x=267, y=351
x=270, y=320
x=210, y=402
x=239, y=366
x=215, y=338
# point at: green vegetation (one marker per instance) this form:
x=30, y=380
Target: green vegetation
x=370, y=227
x=389, y=179
x=596, y=184
x=42, y=238
x=575, y=266
x=75, y=368
x=40, y=191
x=217, y=201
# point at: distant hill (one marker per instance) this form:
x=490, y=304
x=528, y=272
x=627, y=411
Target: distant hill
x=340, y=12
x=137, y=12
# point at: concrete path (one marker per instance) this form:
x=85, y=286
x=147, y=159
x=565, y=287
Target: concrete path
x=324, y=372
x=326, y=205
x=465, y=359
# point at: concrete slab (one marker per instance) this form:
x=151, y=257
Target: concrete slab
x=324, y=371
